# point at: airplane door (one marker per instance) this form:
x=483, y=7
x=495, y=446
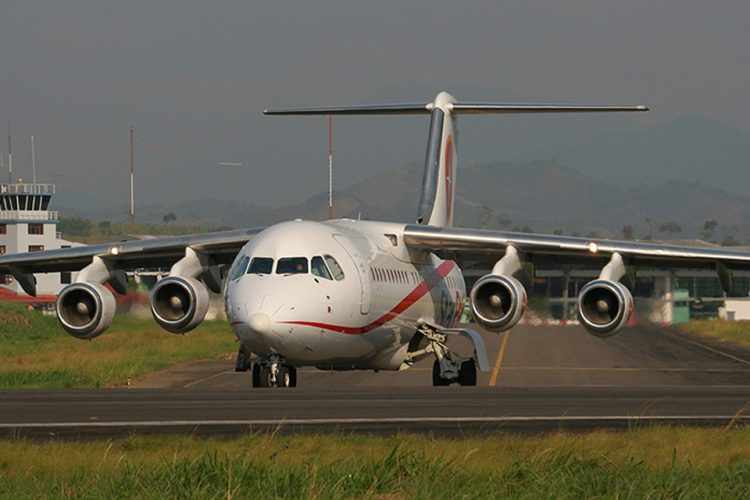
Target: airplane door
x=359, y=259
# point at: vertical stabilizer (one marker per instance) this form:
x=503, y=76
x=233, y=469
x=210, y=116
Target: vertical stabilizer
x=439, y=178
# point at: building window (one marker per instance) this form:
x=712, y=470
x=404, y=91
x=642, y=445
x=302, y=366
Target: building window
x=36, y=228
x=3, y=229
x=36, y=248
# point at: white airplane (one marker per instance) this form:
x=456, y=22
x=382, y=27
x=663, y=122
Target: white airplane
x=345, y=294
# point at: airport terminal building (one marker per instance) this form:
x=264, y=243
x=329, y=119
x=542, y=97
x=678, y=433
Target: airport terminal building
x=27, y=225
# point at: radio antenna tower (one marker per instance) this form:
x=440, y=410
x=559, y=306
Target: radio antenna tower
x=131, y=213
x=33, y=161
x=330, y=167
x=10, y=156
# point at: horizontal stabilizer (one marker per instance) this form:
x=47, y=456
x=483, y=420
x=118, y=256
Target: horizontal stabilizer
x=455, y=108
x=367, y=109
x=493, y=107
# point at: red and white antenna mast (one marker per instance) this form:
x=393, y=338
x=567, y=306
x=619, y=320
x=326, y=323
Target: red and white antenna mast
x=330, y=167
x=132, y=176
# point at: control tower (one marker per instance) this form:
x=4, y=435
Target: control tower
x=26, y=225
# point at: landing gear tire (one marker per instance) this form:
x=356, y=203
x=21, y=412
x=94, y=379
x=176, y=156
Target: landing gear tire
x=292, y=372
x=257, y=372
x=467, y=374
x=286, y=377
x=437, y=380
x=243, y=362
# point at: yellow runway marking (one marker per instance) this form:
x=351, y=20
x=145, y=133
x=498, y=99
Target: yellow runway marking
x=499, y=360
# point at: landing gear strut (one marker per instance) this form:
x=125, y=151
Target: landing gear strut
x=270, y=371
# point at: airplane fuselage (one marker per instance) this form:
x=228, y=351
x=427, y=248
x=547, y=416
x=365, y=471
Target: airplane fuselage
x=341, y=294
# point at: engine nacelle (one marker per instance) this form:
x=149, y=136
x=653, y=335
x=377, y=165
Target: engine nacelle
x=498, y=301
x=85, y=310
x=604, y=307
x=179, y=304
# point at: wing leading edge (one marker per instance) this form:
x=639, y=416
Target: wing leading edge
x=221, y=247
x=571, y=248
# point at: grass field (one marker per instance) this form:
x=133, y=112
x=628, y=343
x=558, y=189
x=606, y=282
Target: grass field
x=36, y=353
x=734, y=332
x=654, y=462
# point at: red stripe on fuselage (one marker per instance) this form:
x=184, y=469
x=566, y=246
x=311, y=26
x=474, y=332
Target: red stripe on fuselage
x=420, y=291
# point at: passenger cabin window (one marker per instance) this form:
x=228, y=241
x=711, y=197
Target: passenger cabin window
x=238, y=268
x=36, y=228
x=292, y=265
x=260, y=265
x=319, y=269
x=333, y=265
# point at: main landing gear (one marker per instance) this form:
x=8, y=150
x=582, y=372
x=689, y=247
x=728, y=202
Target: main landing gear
x=450, y=367
x=267, y=371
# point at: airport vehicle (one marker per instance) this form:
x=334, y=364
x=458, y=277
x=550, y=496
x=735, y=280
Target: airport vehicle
x=350, y=294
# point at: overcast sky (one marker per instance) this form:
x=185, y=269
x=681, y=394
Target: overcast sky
x=193, y=77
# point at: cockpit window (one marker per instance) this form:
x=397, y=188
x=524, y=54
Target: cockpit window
x=292, y=265
x=333, y=265
x=238, y=268
x=318, y=268
x=260, y=265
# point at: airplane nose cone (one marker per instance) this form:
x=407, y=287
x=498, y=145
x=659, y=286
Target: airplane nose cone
x=260, y=323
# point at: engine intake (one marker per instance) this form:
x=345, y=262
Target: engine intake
x=179, y=304
x=604, y=307
x=85, y=310
x=498, y=302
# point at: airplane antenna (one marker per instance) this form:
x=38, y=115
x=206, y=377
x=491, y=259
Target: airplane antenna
x=330, y=167
x=33, y=161
x=132, y=175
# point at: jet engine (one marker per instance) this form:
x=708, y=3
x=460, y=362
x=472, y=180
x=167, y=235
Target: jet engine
x=604, y=307
x=85, y=309
x=498, y=301
x=179, y=304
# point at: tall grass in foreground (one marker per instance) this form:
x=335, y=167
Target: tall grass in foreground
x=35, y=352
x=654, y=462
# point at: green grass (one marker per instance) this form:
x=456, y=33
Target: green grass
x=35, y=352
x=653, y=462
x=734, y=332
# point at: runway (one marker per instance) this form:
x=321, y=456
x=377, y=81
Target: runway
x=546, y=378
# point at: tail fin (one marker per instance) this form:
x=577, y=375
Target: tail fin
x=437, y=198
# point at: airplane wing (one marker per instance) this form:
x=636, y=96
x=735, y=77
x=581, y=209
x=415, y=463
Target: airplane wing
x=567, y=249
x=221, y=247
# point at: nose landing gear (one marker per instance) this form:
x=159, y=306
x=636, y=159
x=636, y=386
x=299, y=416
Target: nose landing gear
x=270, y=371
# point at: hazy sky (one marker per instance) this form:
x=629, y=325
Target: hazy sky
x=193, y=76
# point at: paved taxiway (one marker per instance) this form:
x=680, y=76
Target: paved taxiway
x=544, y=377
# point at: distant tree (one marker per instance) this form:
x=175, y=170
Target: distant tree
x=75, y=226
x=523, y=229
x=650, y=235
x=486, y=217
x=105, y=227
x=558, y=232
x=593, y=234
x=170, y=217
x=709, y=228
x=670, y=227
x=729, y=241
x=628, y=233
x=503, y=221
